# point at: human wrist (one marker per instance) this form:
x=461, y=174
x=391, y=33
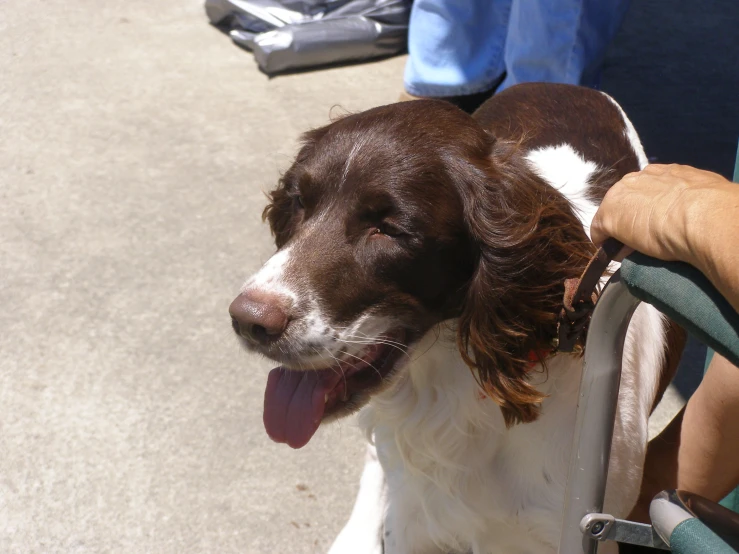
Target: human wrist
x=710, y=223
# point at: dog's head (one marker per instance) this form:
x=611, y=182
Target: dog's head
x=389, y=222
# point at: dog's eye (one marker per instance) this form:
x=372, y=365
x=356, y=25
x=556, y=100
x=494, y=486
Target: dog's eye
x=386, y=229
x=298, y=202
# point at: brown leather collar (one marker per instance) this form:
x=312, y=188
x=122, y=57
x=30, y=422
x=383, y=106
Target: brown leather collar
x=580, y=297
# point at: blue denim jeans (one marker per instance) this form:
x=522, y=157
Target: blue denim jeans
x=460, y=47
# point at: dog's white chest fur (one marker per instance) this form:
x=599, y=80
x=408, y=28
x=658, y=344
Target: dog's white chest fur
x=457, y=480
x=455, y=475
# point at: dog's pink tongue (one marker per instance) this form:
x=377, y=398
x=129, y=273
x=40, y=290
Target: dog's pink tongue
x=294, y=402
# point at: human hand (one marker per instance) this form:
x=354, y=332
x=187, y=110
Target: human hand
x=661, y=210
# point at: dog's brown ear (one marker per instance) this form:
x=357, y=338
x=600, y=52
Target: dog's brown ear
x=493, y=339
x=491, y=347
x=528, y=241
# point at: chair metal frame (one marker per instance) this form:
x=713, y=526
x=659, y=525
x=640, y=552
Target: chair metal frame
x=584, y=525
x=596, y=413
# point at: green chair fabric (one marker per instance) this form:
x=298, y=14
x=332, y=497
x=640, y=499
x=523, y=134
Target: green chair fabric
x=692, y=537
x=731, y=501
x=682, y=293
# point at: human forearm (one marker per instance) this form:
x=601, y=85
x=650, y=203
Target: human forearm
x=712, y=233
x=708, y=459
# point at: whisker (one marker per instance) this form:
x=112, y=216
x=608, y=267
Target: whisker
x=318, y=353
x=368, y=341
x=396, y=345
x=313, y=365
x=373, y=340
x=402, y=351
x=378, y=340
x=341, y=373
x=379, y=373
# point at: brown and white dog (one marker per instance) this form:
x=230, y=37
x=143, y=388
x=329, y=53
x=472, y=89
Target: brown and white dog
x=420, y=267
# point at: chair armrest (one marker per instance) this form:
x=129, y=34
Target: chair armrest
x=685, y=295
x=691, y=524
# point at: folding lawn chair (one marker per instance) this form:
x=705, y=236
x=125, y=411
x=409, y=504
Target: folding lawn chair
x=681, y=522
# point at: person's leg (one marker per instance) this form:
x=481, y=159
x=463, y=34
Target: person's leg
x=708, y=459
x=560, y=41
x=455, y=46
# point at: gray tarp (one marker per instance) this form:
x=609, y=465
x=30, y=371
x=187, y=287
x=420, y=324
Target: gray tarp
x=294, y=34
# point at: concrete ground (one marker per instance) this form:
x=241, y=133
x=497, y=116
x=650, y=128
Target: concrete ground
x=135, y=143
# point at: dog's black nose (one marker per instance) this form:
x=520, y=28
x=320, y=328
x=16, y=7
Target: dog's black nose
x=258, y=316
